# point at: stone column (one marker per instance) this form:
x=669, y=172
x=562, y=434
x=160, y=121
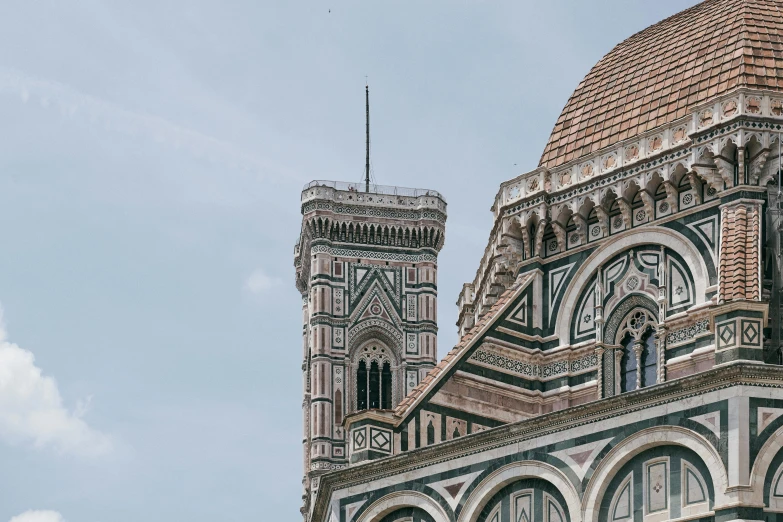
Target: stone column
x=599, y=354
x=618, y=355
x=638, y=348
x=660, y=346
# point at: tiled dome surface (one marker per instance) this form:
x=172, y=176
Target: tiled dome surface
x=657, y=75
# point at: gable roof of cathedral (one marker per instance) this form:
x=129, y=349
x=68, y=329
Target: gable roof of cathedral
x=657, y=75
x=441, y=371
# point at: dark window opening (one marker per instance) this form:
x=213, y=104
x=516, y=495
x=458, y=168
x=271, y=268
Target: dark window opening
x=386, y=387
x=647, y=365
x=430, y=434
x=628, y=365
x=361, y=386
x=649, y=360
x=375, y=385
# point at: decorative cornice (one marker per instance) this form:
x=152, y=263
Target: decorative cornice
x=523, y=366
x=378, y=212
x=374, y=254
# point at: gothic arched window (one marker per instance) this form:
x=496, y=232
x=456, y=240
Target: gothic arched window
x=374, y=378
x=639, y=361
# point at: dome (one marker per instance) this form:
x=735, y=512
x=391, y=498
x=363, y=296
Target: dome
x=658, y=75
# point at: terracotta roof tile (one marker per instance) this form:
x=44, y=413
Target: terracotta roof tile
x=702, y=52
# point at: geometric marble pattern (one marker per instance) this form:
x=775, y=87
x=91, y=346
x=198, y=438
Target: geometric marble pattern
x=766, y=416
x=523, y=507
x=557, y=278
x=351, y=509
x=657, y=482
x=452, y=489
x=579, y=458
x=623, y=502
x=711, y=421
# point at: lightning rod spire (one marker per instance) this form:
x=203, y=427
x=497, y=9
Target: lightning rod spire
x=367, y=163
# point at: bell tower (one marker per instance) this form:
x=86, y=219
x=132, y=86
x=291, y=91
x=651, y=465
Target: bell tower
x=366, y=266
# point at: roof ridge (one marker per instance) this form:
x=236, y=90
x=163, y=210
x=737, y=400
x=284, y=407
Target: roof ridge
x=463, y=344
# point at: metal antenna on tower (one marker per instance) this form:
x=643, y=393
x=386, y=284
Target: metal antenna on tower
x=367, y=164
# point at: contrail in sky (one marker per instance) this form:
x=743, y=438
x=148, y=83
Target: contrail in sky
x=75, y=104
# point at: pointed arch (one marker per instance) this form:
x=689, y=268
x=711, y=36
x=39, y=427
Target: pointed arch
x=625, y=240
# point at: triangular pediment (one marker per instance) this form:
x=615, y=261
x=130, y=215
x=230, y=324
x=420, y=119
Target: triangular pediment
x=442, y=385
x=375, y=304
x=375, y=308
x=361, y=278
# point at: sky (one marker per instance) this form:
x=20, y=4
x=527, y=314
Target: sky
x=152, y=155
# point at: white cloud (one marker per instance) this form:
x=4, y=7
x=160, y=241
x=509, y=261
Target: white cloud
x=259, y=282
x=32, y=410
x=38, y=516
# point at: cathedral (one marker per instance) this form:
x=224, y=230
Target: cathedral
x=619, y=353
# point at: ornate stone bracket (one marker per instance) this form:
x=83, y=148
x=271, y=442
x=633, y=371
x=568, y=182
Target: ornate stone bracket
x=560, y=234
x=539, y=240
x=696, y=185
x=757, y=165
x=726, y=170
x=711, y=177
x=626, y=210
x=671, y=195
x=603, y=220
x=649, y=203
x=581, y=228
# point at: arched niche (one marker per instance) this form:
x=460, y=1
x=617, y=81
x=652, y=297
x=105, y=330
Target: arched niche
x=485, y=492
x=400, y=501
x=623, y=242
x=622, y=453
x=526, y=500
x=662, y=483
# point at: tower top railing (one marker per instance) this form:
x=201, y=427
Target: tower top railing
x=385, y=190
x=377, y=196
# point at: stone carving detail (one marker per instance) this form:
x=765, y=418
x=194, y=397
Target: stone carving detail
x=729, y=108
x=587, y=170
x=621, y=313
x=687, y=333
x=679, y=135
x=374, y=254
x=536, y=371
x=705, y=118
x=753, y=105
